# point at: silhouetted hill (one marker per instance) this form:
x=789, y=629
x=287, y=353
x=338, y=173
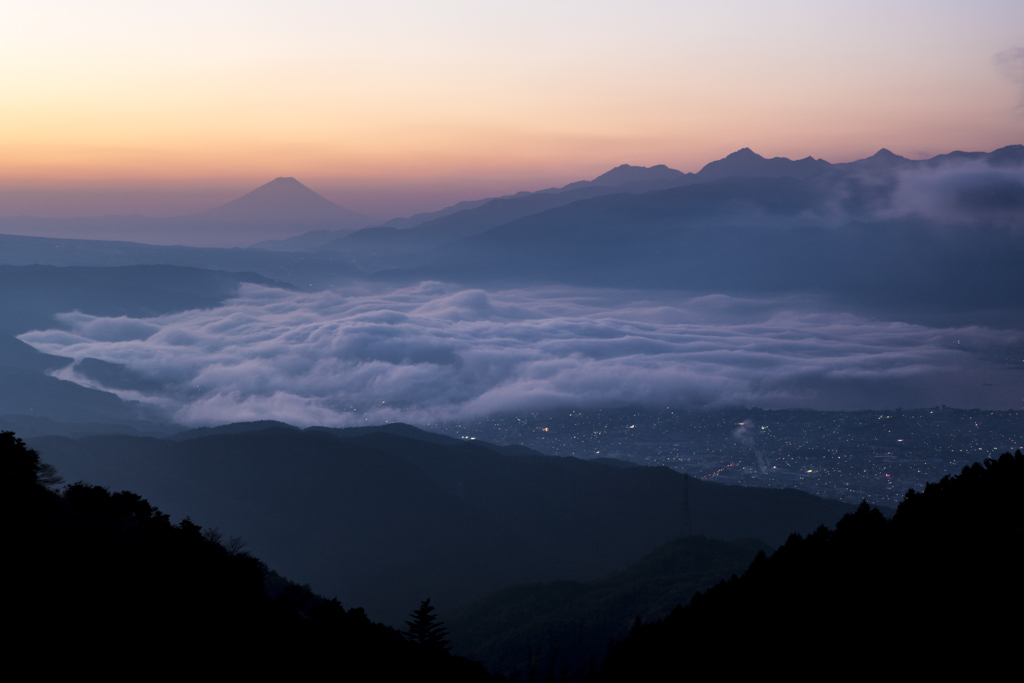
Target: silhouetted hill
x=284, y=200
x=95, y=576
x=934, y=590
x=568, y=625
x=383, y=520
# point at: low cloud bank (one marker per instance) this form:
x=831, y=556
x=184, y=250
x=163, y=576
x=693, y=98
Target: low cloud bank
x=432, y=352
x=971, y=192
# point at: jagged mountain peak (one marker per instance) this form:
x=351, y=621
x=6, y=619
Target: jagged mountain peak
x=746, y=162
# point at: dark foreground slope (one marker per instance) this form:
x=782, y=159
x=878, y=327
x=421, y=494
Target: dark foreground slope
x=384, y=521
x=529, y=631
x=936, y=588
x=94, y=579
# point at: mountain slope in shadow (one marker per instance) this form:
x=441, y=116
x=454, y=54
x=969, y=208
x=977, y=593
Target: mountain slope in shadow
x=568, y=625
x=384, y=521
x=933, y=590
x=104, y=576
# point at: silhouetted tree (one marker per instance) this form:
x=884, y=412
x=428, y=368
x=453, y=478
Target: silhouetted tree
x=426, y=630
x=19, y=464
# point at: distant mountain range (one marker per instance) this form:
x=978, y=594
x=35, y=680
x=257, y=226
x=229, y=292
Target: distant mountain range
x=933, y=241
x=858, y=186
x=285, y=215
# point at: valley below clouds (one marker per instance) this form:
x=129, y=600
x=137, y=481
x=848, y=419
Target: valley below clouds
x=434, y=352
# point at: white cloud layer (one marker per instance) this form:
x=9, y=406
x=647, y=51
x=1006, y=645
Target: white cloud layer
x=432, y=352
x=968, y=192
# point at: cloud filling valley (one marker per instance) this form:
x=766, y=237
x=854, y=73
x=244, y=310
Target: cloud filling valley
x=434, y=352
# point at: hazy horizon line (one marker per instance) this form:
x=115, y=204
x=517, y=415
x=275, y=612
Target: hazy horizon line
x=181, y=198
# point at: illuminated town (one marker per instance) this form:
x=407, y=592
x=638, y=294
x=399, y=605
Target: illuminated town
x=852, y=456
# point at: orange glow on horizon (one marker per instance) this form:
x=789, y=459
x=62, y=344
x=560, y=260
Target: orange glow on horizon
x=490, y=99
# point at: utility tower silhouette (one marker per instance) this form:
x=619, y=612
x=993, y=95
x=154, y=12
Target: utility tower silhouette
x=687, y=521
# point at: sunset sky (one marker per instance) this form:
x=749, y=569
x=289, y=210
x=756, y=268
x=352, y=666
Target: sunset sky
x=396, y=107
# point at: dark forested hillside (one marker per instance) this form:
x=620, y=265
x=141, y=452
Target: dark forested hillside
x=529, y=631
x=384, y=520
x=95, y=577
x=935, y=589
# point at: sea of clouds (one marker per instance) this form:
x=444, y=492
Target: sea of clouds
x=433, y=352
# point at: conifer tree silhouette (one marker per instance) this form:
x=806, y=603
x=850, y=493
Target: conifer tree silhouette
x=426, y=630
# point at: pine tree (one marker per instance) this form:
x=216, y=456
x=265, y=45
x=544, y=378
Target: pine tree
x=426, y=630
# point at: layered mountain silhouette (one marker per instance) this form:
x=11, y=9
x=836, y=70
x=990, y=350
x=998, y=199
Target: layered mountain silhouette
x=883, y=234
x=384, y=517
x=890, y=235
x=285, y=215
x=856, y=189
x=746, y=162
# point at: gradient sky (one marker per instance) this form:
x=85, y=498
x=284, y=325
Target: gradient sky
x=394, y=107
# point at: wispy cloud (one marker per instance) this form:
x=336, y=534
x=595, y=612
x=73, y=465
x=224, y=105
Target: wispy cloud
x=968, y=192
x=433, y=352
x=1011, y=64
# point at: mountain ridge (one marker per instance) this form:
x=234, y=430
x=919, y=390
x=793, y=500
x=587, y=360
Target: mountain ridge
x=382, y=247
x=383, y=520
